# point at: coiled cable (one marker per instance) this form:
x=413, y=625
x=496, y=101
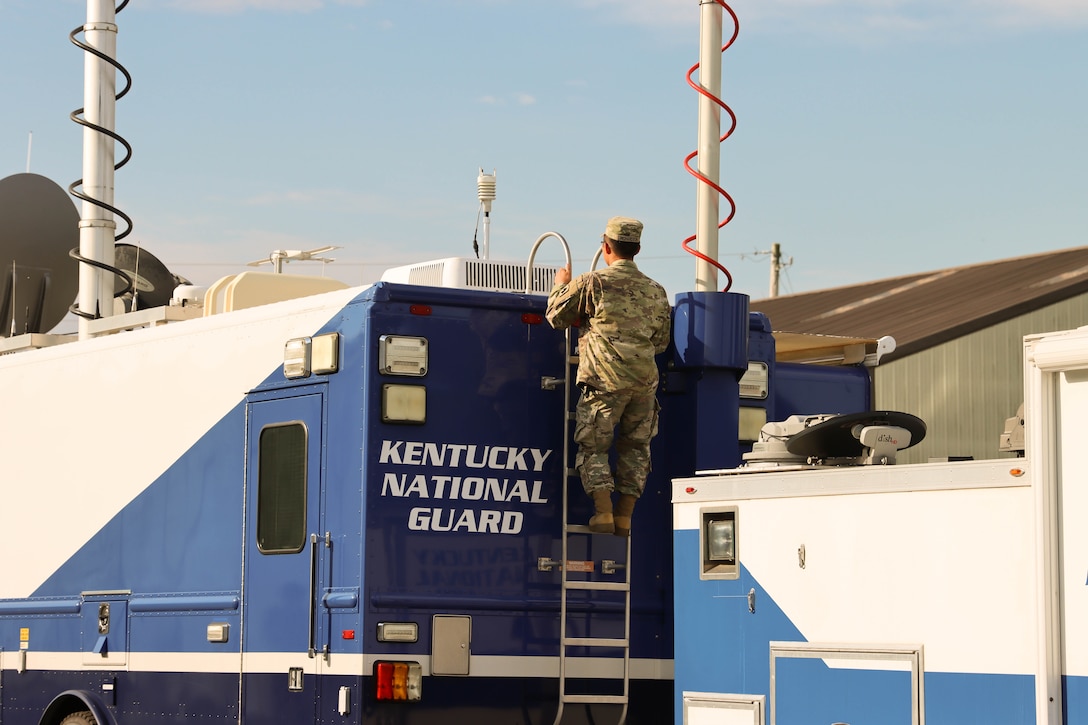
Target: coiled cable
x=73, y=188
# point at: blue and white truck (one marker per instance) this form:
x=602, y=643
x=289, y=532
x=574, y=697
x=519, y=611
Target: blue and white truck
x=348, y=507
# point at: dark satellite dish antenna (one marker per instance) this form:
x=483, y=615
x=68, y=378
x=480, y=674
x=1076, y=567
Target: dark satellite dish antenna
x=856, y=434
x=39, y=224
x=154, y=283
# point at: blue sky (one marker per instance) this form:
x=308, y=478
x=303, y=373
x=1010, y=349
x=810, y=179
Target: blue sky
x=875, y=137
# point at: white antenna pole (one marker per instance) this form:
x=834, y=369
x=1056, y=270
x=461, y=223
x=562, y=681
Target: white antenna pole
x=14, y=279
x=710, y=124
x=96, y=225
x=29, y=145
x=485, y=190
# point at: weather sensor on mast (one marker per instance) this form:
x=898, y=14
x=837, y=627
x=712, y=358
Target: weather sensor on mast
x=485, y=190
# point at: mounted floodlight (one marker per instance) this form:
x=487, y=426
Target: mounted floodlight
x=718, y=543
x=296, y=358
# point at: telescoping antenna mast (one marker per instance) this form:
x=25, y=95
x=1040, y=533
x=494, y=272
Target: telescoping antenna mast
x=710, y=123
x=97, y=228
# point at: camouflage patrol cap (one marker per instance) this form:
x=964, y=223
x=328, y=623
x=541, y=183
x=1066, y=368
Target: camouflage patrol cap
x=624, y=229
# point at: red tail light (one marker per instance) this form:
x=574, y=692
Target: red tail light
x=398, y=681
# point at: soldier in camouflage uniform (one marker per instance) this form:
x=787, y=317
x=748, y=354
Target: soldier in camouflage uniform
x=624, y=320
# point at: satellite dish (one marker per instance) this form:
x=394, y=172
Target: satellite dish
x=39, y=224
x=153, y=281
x=840, y=437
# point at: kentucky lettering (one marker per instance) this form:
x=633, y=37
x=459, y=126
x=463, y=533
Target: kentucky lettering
x=454, y=455
x=488, y=464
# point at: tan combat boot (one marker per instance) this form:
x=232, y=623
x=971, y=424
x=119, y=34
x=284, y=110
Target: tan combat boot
x=624, y=507
x=602, y=522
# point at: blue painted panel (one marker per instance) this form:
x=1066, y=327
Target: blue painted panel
x=39, y=606
x=815, y=389
x=710, y=329
x=182, y=631
x=185, y=603
x=486, y=405
x=1075, y=699
x=960, y=698
x=278, y=602
x=182, y=534
x=807, y=690
x=722, y=647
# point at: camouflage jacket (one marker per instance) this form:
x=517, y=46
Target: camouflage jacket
x=624, y=318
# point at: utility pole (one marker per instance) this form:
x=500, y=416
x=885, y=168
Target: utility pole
x=777, y=265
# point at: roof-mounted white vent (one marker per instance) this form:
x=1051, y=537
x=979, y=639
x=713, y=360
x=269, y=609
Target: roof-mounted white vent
x=469, y=273
x=1011, y=439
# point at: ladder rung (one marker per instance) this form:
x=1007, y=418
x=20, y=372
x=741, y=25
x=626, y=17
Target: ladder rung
x=573, y=359
x=595, y=642
x=573, y=473
x=599, y=586
x=581, y=529
x=591, y=699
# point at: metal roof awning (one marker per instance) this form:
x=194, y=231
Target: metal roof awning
x=803, y=347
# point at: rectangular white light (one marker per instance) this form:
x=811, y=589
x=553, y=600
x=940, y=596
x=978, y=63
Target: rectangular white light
x=404, y=404
x=398, y=632
x=296, y=358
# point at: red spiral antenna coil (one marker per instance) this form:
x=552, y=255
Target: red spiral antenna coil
x=702, y=177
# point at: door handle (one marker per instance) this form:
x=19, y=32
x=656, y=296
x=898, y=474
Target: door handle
x=313, y=597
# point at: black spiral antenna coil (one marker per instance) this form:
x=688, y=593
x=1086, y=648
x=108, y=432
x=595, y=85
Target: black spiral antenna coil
x=77, y=116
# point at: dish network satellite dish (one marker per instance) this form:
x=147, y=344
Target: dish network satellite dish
x=39, y=225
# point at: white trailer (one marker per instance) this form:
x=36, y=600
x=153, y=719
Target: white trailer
x=939, y=593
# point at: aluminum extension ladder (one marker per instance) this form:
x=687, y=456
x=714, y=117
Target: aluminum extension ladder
x=568, y=584
x=571, y=583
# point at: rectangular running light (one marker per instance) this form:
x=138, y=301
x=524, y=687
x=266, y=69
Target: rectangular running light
x=398, y=632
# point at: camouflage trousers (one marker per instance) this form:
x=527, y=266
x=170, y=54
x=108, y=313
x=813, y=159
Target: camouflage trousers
x=627, y=418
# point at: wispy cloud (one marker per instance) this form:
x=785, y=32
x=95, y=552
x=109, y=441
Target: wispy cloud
x=229, y=7
x=903, y=17
x=520, y=99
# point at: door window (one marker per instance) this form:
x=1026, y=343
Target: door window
x=281, y=489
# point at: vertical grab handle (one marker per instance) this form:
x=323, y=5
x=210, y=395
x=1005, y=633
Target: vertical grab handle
x=532, y=256
x=313, y=597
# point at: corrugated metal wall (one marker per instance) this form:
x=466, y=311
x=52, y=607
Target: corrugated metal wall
x=965, y=389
